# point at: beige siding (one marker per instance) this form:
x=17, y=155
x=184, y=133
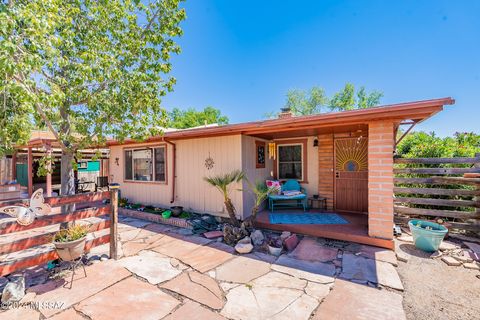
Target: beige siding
x=192, y=191
x=252, y=173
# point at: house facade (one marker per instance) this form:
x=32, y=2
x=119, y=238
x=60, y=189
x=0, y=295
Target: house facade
x=345, y=157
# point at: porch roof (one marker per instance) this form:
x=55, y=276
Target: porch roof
x=313, y=124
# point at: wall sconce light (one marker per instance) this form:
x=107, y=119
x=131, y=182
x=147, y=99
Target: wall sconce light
x=116, y=161
x=315, y=142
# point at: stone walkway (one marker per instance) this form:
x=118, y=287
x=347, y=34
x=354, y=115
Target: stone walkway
x=167, y=273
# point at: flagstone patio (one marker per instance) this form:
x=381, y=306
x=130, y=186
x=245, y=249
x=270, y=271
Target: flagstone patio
x=167, y=273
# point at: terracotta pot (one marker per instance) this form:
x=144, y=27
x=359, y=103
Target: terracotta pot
x=69, y=251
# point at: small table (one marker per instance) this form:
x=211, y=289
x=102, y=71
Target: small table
x=321, y=203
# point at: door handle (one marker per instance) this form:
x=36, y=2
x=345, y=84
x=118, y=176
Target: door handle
x=337, y=175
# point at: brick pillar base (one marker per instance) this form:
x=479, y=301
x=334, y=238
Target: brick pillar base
x=380, y=179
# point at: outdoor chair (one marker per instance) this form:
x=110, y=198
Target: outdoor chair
x=289, y=201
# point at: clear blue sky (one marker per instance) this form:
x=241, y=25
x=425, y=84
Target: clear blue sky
x=243, y=56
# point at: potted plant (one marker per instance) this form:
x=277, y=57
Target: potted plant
x=275, y=246
x=70, y=242
x=427, y=236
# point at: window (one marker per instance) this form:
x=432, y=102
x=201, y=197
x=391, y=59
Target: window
x=290, y=162
x=147, y=164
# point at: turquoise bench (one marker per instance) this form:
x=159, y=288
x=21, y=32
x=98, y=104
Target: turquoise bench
x=299, y=200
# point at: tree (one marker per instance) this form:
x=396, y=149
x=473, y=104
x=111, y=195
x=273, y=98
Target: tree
x=182, y=119
x=87, y=70
x=315, y=101
x=223, y=184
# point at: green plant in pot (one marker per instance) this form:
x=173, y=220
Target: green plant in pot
x=70, y=242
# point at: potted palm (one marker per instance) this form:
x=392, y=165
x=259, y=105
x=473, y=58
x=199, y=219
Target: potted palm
x=223, y=183
x=70, y=242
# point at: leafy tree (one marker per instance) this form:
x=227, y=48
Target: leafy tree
x=316, y=101
x=86, y=69
x=223, y=184
x=182, y=119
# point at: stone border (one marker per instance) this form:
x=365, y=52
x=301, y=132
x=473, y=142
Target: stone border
x=172, y=221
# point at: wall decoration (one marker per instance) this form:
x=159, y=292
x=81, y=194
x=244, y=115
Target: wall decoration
x=26, y=215
x=272, y=151
x=209, y=163
x=260, y=151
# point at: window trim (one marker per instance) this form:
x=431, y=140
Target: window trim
x=304, y=144
x=143, y=147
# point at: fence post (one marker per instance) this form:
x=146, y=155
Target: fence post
x=477, y=198
x=113, y=222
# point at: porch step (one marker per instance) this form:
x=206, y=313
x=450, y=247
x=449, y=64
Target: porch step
x=43, y=253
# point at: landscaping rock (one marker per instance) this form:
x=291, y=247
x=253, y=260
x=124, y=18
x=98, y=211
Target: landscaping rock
x=379, y=254
x=451, y=261
x=358, y=268
x=436, y=254
x=14, y=291
x=464, y=256
x=244, y=246
x=291, y=242
x=193, y=310
x=257, y=237
x=317, y=290
x=387, y=275
x=472, y=265
x=285, y=235
x=232, y=234
x=213, y=234
x=3, y=283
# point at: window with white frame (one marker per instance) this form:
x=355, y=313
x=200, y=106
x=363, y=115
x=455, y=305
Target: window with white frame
x=290, y=161
x=146, y=164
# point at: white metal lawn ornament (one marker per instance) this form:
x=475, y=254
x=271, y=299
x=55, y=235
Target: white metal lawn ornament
x=26, y=215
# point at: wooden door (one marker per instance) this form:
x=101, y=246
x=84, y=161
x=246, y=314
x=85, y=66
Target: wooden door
x=351, y=174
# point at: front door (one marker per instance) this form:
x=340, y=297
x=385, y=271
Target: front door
x=351, y=174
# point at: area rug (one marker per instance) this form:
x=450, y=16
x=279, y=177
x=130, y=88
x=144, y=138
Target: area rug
x=306, y=218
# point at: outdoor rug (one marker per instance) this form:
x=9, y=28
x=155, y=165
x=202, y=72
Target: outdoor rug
x=306, y=218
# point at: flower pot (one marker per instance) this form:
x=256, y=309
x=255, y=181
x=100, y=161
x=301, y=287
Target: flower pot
x=176, y=210
x=166, y=214
x=427, y=240
x=72, y=250
x=274, y=250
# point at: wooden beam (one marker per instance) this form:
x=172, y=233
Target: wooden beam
x=437, y=191
x=404, y=134
x=438, y=202
x=48, y=178
x=435, y=213
x=14, y=166
x=30, y=171
x=438, y=180
x=437, y=160
x=114, y=224
x=436, y=170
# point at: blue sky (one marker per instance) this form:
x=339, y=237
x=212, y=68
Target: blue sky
x=243, y=56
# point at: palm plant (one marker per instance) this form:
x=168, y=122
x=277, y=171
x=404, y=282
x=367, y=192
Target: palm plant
x=222, y=182
x=260, y=193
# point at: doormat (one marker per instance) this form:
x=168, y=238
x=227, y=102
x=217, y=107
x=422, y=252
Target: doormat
x=306, y=218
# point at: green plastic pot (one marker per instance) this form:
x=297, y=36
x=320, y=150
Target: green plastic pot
x=427, y=240
x=166, y=214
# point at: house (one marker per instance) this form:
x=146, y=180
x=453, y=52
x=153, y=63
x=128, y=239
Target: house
x=346, y=157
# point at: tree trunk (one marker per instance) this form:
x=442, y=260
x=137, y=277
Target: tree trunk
x=231, y=212
x=67, y=174
x=67, y=183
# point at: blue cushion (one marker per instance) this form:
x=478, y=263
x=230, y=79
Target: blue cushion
x=291, y=185
x=282, y=197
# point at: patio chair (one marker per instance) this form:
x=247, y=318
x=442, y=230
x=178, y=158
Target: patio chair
x=102, y=182
x=298, y=200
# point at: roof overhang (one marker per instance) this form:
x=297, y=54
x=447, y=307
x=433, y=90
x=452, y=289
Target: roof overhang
x=416, y=111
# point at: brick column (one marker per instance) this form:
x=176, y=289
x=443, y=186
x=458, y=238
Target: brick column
x=381, y=143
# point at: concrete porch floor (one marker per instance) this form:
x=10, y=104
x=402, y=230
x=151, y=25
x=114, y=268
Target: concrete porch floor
x=355, y=231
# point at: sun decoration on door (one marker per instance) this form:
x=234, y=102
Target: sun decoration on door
x=351, y=154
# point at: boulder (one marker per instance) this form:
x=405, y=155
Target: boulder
x=291, y=242
x=244, y=246
x=257, y=237
x=285, y=235
x=14, y=291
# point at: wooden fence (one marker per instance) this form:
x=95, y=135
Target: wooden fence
x=26, y=246
x=447, y=188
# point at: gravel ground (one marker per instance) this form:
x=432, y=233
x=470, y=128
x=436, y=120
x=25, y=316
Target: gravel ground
x=434, y=290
